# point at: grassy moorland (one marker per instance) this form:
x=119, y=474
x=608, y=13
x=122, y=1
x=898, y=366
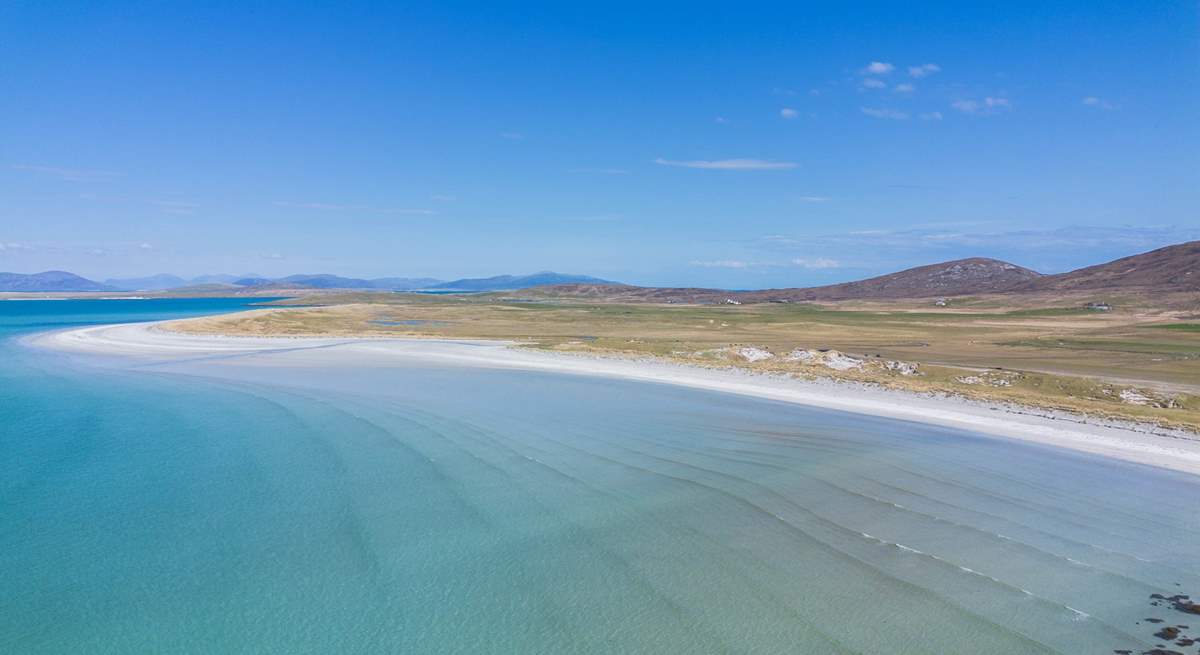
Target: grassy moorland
x=1132, y=362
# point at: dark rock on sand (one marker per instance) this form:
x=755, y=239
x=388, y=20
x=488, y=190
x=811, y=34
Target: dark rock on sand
x=1169, y=633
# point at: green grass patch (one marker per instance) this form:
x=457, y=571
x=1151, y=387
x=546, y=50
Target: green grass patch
x=1178, y=327
x=1107, y=345
x=1051, y=311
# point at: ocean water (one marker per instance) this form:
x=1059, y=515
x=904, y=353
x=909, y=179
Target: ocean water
x=253, y=505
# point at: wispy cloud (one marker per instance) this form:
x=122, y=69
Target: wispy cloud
x=814, y=198
x=924, y=70
x=810, y=263
x=723, y=263
x=878, y=68
x=1049, y=251
x=335, y=207
x=816, y=263
x=904, y=88
x=884, y=113
x=68, y=174
x=788, y=113
x=594, y=218
x=728, y=164
x=176, y=207
x=599, y=171
x=931, y=116
x=984, y=107
x=872, y=83
x=145, y=246
x=15, y=246
x=1101, y=103
x=512, y=136
x=721, y=120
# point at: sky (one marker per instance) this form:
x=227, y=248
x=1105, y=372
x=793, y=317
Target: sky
x=731, y=145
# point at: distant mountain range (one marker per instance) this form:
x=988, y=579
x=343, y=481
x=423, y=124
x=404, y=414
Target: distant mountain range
x=164, y=281
x=62, y=281
x=511, y=282
x=326, y=281
x=1170, y=269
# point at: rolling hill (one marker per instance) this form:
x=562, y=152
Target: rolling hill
x=1173, y=268
x=512, y=282
x=49, y=281
x=158, y=282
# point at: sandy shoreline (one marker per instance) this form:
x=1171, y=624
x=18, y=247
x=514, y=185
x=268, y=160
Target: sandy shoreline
x=1179, y=451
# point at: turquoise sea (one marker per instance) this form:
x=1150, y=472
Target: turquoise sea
x=228, y=505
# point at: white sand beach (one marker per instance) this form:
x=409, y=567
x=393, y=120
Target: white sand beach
x=1143, y=444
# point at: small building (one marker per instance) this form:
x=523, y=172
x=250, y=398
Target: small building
x=731, y=301
x=1099, y=307
x=941, y=302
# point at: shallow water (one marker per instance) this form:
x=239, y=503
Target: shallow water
x=250, y=504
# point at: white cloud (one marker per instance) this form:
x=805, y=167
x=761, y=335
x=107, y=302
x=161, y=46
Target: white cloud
x=923, y=70
x=512, y=136
x=816, y=262
x=878, y=68
x=14, y=246
x=599, y=171
x=814, y=198
x=872, y=83
x=1093, y=101
x=904, y=88
x=68, y=174
x=931, y=116
x=723, y=263
x=1049, y=251
x=728, y=164
x=988, y=105
x=176, y=207
x=884, y=113
x=273, y=255
x=788, y=113
x=720, y=120
x=335, y=207
x=145, y=246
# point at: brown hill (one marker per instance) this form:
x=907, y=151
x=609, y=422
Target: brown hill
x=1173, y=268
x=954, y=278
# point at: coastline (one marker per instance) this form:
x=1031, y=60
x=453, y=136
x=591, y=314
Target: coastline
x=1126, y=441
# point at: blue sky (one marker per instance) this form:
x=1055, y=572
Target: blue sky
x=724, y=144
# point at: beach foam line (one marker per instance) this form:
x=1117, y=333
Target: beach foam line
x=1178, y=451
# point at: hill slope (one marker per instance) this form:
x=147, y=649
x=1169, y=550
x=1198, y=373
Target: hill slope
x=954, y=278
x=511, y=282
x=158, y=282
x=1173, y=268
x=49, y=281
